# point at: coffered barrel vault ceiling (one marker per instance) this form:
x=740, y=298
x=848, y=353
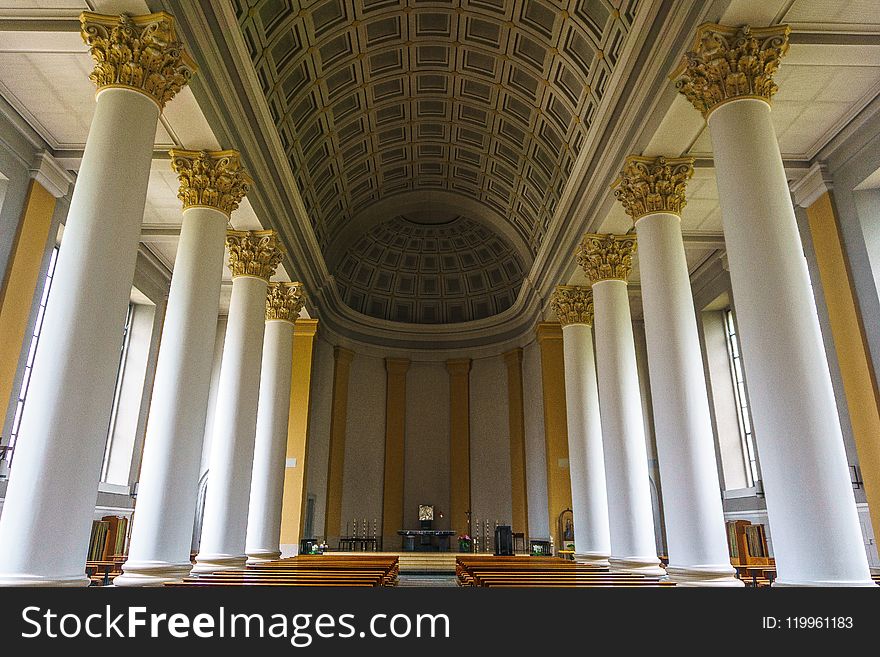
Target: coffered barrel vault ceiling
x=490, y=100
x=404, y=271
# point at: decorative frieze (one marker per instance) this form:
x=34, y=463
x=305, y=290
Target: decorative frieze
x=213, y=179
x=653, y=184
x=253, y=252
x=606, y=257
x=573, y=304
x=137, y=52
x=284, y=301
x=727, y=63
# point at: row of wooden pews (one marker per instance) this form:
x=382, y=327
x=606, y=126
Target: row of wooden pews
x=102, y=573
x=530, y=571
x=307, y=570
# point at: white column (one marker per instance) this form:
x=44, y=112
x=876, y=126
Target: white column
x=267, y=482
x=817, y=540
x=232, y=447
x=607, y=260
x=589, y=503
x=652, y=191
x=50, y=501
x=213, y=185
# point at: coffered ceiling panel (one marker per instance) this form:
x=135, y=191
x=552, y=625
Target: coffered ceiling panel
x=489, y=99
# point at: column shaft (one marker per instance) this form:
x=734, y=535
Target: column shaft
x=294, y=500
x=697, y=543
x=267, y=480
x=162, y=529
x=589, y=500
x=813, y=520
x=49, y=506
x=232, y=447
x=623, y=433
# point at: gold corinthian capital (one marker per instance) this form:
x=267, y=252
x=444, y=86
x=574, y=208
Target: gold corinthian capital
x=253, y=253
x=210, y=179
x=137, y=52
x=284, y=301
x=728, y=63
x=573, y=304
x=606, y=257
x=653, y=184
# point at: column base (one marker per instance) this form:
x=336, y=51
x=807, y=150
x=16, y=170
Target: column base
x=592, y=558
x=262, y=556
x=151, y=573
x=211, y=563
x=648, y=566
x=704, y=576
x=824, y=583
x=11, y=579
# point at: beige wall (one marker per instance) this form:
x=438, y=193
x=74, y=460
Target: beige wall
x=426, y=459
x=364, y=445
x=536, y=456
x=490, y=442
x=319, y=431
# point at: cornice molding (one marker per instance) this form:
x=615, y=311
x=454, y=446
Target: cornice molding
x=815, y=182
x=47, y=171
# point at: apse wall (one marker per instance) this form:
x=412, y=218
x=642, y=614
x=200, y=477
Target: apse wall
x=536, y=455
x=426, y=451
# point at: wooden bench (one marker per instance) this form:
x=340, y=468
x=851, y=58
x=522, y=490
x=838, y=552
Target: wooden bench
x=306, y=570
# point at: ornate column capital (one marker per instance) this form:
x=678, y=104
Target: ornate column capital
x=573, y=304
x=606, y=257
x=137, y=52
x=253, y=253
x=727, y=63
x=653, y=184
x=210, y=179
x=284, y=301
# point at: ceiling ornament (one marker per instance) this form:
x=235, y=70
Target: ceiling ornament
x=137, y=52
x=653, y=184
x=255, y=253
x=727, y=63
x=284, y=301
x=606, y=257
x=573, y=304
x=212, y=179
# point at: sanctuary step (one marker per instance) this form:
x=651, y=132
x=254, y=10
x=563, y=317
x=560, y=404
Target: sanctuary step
x=418, y=562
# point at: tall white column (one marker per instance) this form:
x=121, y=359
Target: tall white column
x=817, y=540
x=253, y=257
x=50, y=501
x=589, y=502
x=263, y=541
x=607, y=260
x=212, y=185
x=652, y=191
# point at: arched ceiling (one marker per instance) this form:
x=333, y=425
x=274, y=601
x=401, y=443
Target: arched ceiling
x=430, y=269
x=488, y=99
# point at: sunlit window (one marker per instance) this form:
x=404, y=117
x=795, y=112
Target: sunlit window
x=742, y=401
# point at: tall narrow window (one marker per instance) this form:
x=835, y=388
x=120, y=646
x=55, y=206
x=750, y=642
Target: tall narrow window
x=742, y=401
x=32, y=351
x=117, y=391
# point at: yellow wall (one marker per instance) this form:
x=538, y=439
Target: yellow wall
x=516, y=423
x=395, y=430
x=17, y=295
x=555, y=427
x=293, y=514
x=339, y=414
x=847, y=331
